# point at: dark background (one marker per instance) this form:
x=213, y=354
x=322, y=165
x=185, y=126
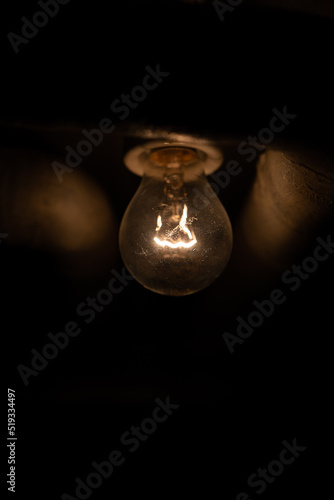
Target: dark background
x=235, y=410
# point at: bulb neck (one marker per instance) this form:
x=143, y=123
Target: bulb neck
x=174, y=165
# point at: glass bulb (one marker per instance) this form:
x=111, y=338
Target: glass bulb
x=170, y=241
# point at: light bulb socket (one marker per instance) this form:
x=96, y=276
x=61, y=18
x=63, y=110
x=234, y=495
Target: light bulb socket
x=170, y=156
x=162, y=152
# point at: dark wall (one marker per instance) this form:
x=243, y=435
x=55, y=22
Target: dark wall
x=238, y=399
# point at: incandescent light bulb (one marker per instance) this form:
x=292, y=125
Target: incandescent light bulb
x=170, y=242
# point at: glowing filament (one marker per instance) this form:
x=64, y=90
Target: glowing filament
x=159, y=223
x=179, y=244
x=181, y=226
x=183, y=222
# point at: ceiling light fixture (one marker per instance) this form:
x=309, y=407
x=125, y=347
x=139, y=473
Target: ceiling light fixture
x=169, y=242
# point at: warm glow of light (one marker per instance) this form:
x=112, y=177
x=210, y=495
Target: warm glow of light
x=159, y=223
x=179, y=244
x=183, y=222
x=181, y=226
